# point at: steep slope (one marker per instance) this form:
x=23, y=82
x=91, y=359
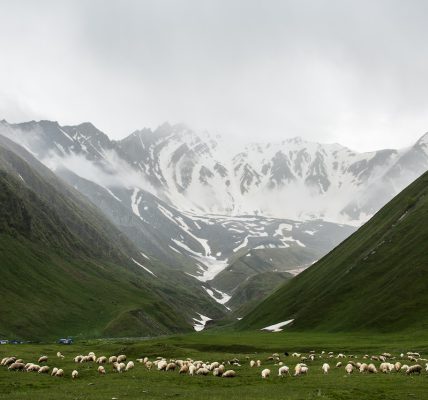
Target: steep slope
x=197, y=203
x=375, y=280
x=67, y=271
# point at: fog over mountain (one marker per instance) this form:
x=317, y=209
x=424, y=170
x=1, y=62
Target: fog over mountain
x=203, y=206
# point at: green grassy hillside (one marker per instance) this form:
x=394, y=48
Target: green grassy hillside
x=377, y=279
x=254, y=289
x=66, y=270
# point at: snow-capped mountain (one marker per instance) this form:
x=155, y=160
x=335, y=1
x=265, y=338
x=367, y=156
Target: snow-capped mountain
x=290, y=179
x=199, y=203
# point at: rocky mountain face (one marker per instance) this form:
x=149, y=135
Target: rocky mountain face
x=201, y=204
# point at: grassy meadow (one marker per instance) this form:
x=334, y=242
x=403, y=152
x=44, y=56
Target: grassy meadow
x=140, y=383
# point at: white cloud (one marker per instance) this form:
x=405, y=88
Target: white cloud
x=348, y=72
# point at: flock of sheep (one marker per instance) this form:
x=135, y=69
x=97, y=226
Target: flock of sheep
x=119, y=364
x=366, y=366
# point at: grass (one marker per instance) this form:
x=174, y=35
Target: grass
x=140, y=383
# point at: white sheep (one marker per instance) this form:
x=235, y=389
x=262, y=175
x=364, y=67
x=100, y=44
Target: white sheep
x=230, y=373
x=371, y=368
x=202, y=371
x=349, y=369
x=129, y=366
x=397, y=366
x=170, y=367
x=112, y=359
x=325, y=368
x=74, y=374
x=59, y=373
x=148, y=365
x=192, y=370
x=121, y=358
x=101, y=370
x=265, y=373
x=184, y=369
x=43, y=359
x=16, y=366
x=258, y=362
x=284, y=370
x=59, y=354
x=54, y=371
x=252, y=363
x=363, y=367
x=162, y=365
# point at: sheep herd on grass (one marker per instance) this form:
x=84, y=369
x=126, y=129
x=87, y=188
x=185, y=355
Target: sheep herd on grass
x=411, y=363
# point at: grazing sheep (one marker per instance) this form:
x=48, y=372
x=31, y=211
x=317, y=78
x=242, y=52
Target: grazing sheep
x=214, y=365
x=397, y=366
x=371, y=369
x=363, y=367
x=121, y=358
x=148, y=365
x=258, y=362
x=74, y=374
x=349, y=369
x=217, y=372
x=404, y=368
x=43, y=359
x=414, y=369
x=325, y=368
x=339, y=364
x=16, y=366
x=54, y=371
x=284, y=370
x=129, y=366
x=59, y=355
x=171, y=367
x=77, y=359
x=202, y=371
x=230, y=373
x=384, y=368
x=101, y=360
x=9, y=361
x=252, y=363
x=33, y=368
x=192, y=370
x=43, y=370
x=162, y=365
x=184, y=369
x=265, y=373
x=60, y=373
x=112, y=359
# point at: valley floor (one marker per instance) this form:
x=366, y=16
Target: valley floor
x=139, y=383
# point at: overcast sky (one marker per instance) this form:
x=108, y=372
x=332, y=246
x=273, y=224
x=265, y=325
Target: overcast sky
x=353, y=72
